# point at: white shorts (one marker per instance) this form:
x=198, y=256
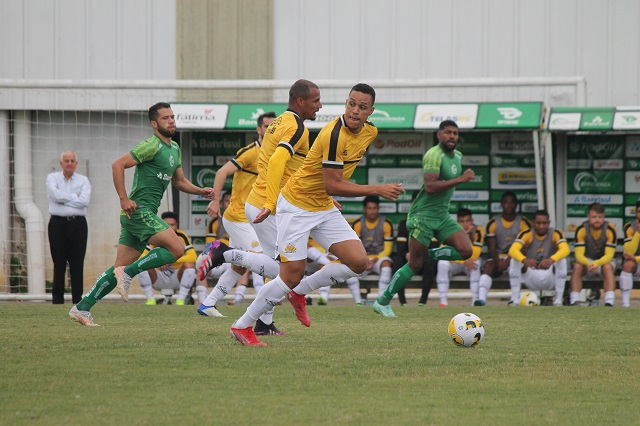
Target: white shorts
x=242, y=236
x=376, y=267
x=295, y=225
x=539, y=279
x=167, y=279
x=598, y=273
x=266, y=230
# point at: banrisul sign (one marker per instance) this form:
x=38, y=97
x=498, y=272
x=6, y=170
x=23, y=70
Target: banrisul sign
x=245, y=116
x=592, y=118
x=513, y=116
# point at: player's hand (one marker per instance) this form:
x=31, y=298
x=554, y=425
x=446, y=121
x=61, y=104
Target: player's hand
x=213, y=209
x=530, y=263
x=371, y=263
x=264, y=213
x=208, y=193
x=592, y=268
x=470, y=264
x=390, y=191
x=468, y=175
x=627, y=256
x=337, y=204
x=128, y=206
x=503, y=264
x=545, y=263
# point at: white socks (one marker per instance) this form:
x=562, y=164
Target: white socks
x=331, y=274
x=188, y=277
x=353, y=284
x=225, y=283
x=145, y=283
x=268, y=297
x=626, y=284
x=515, y=280
x=201, y=292
x=484, y=285
x=259, y=263
x=385, y=277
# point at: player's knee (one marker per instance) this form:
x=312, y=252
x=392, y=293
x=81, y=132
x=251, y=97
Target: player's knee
x=629, y=266
x=358, y=265
x=465, y=252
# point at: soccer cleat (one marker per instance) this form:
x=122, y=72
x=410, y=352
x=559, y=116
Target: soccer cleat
x=299, y=303
x=124, y=282
x=479, y=303
x=246, y=336
x=83, y=317
x=384, y=310
x=150, y=302
x=209, y=311
x=609, y=305
x=215, y=258
x=322, y=301
x=180, y=302
x=262, y=329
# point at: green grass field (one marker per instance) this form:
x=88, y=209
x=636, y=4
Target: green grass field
x=167, y=365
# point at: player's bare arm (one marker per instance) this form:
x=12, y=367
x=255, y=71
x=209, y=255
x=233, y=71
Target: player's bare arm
x=183, y=184
x=432, y=184
x=336, y=185
x=213, y=209
x=117, y=168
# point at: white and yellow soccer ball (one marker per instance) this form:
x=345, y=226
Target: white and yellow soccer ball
x=529, y=298
x=466, y=330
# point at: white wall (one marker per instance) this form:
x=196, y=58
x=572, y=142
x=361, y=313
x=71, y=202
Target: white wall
x=426, y=39
x=82, y=39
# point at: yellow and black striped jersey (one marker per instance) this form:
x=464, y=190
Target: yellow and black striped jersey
x=476, y=236
x=335, y=147
x=246, y=160
x=189, y=255
x=287, y=142
x=521, y=244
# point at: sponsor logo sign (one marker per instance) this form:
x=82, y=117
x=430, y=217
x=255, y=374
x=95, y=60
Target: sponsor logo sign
x=475, y=207
x=516, y=115
x=327, y=113
x=632, y=181
x=393, y=116
x=632, y=148
x=379, y=161
x=470, y=196
x=216, y=143
x=511, y=143
x=475, y=160
x=594, y=182
x=596, y=121
x=202, y=160
x=409, y=178
x=410, y=161
x=578, y=163
x=594, y=198
x=200, y=116
x=245, y=116
x=608, y=164
x=398, y=144
x=386, y=208
x=480, y=181
x=429, y=116
x=513, y=178
x=626, y=120
x=565, y=121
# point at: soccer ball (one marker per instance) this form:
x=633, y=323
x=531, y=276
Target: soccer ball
x=529, y=298
x=466, y=330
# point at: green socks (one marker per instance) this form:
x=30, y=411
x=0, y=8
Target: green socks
x=103, y=286
x=156, y=258
x=444, y=253
x=398, y=281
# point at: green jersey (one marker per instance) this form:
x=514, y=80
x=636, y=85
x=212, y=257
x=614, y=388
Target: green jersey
x=157, y=162
x=448, y=167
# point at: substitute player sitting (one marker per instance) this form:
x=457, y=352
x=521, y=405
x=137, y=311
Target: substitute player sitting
x=178, y=276
x=538, y=259
x=469, y=267
x=594, y=249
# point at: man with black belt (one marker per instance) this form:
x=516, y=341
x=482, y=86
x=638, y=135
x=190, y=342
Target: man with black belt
x=68, y=194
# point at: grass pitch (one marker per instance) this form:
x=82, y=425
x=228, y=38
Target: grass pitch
x=167, y=365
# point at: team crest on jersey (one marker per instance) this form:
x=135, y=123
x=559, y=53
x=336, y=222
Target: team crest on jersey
x=254, y=244
x=454, y=169
x=171, y=161
x=290, y=248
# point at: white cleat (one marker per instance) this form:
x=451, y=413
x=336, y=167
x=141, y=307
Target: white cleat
x=83, y=317
x=124, y=282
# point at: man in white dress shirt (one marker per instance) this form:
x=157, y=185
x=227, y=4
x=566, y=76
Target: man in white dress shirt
x=68, y=194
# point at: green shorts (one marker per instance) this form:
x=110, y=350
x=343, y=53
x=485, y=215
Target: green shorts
x=424, y=228
x=135, y=232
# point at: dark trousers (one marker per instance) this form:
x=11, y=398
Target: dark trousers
x=68, y=243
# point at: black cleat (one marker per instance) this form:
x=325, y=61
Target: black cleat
x=262, y=329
